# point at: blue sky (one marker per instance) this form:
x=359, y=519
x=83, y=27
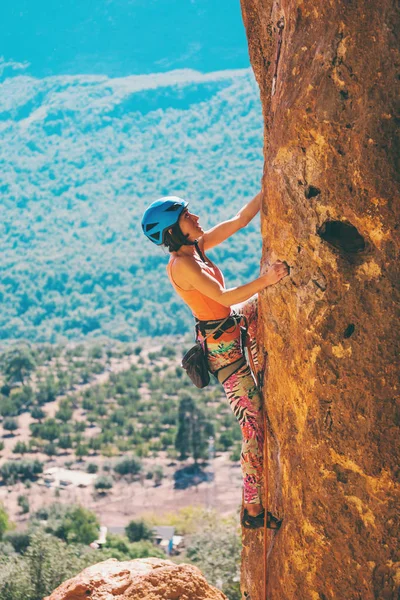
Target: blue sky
x=123, y=37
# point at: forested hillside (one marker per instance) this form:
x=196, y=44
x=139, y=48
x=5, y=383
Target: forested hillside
x=81, y=158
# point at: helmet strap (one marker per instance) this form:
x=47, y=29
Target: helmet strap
x=199, y=252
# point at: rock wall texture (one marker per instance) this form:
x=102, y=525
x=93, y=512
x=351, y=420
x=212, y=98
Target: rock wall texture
x=146, y=578
x=327, y=73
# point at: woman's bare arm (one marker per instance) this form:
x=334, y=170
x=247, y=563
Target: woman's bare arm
x=222, y=231
x=202, y=281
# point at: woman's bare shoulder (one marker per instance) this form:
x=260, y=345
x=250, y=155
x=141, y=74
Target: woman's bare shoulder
x=183, y=264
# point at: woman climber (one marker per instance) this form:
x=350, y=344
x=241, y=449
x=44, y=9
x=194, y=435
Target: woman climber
x=200, y=283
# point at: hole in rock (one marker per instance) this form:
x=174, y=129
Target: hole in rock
x=343, y=236
x=311, y=191
x=348, y=332
x=344, y=94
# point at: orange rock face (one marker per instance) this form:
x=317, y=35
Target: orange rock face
x=146, y=578
x=329, y=332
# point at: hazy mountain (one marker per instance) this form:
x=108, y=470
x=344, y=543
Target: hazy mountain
x=81, y=158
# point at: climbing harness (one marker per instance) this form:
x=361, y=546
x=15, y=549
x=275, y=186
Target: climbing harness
x=195, y=360
x=217, y=329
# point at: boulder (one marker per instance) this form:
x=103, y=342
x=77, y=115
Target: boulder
x=144, y=578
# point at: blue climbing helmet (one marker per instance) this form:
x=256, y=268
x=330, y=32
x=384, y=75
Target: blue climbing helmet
x=161, y=215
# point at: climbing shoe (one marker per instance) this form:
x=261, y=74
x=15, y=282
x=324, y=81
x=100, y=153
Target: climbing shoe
x=250, y=522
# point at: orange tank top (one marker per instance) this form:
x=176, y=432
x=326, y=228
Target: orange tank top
x=202, y=307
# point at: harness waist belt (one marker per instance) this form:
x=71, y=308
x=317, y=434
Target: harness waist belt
x=230, y=322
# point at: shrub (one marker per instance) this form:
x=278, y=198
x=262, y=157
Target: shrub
x=23, y=503
x=128, y=466
x=4, y=521
x=19, y=540
x=168, y=351
x=92, y=468
x=96, y=352
x=158, y=475
x=103, y=483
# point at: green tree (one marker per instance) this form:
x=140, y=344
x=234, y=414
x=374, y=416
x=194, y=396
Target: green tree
x=226, y=440
x=45, y=564
x=79, y=525
x=139, y=530
x=10, y=424
x=19, y=363
x=49, y=430
x=12, y=471
x=50, y=449
x=48, y=390
x=8, y=407
x=65, y=442
x=37, y=413
x=64, y=413
x=20, y=448
x=215, y=548
x=95, y=444
x=22, y=397
x=193, y=430
x=81, y=450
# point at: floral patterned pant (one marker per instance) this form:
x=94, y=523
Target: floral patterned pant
x=243, y=395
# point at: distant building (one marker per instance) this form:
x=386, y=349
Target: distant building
x=61, y=478
x=163, y=537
